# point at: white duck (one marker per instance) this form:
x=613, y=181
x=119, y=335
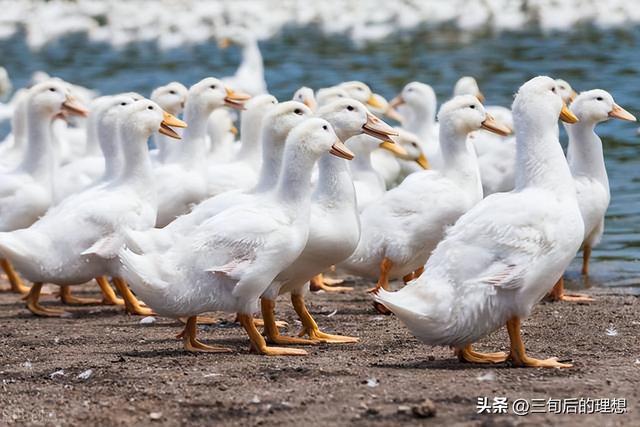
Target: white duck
x=27, y=192
x=417, y=104
x=363, y=93
x=586, y=162
x=77, y=240
x=171, y=98
x=242, y=172
x=231, y=259
x=306, y=96
x=222, y=134
x=13, y=147
x=334, y=227
x=401, y=229
x=392, y=167
x=277, y=124
x=249, y=77
x=181, y=180
x=330, y=94
x=502, y=256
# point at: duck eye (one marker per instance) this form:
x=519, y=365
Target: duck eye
x=52, y=89
x=298, y=111
x=562, y=87
x=172, y=92
x=410, y=89
x=414, y=145
x=360, y=89
x=350, y=108
x=123, y=103
x=150, y=107
x=472, y=106
x=325, y=127
x=600, y=98
x=553, y=89
x=212, y=86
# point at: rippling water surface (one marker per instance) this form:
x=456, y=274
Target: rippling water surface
x=587, y=58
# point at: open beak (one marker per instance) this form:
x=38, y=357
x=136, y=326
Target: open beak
x=171, y=120
x=393, y=114
x=620, y=113
x=423, y=162
x=377, y=128
x=567, y=116
x=234, y=130
x=396, y=102
x=72, y=106
x=374, y=102
x=480, y=96
x=338, y=149
x=235, y=100
x=394, y=148
x=492, y=125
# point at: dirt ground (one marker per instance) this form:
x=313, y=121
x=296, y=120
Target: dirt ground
x=102, y=367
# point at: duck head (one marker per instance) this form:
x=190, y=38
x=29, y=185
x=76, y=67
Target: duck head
x=418, y=97
x=595, y=106
x=52, y=98
x=350, y=118
x=328, y=95
x=316, y=136
x=541, y=99
x=144, y=117
x=210, y=93
x=565, y=91
x=468, y=85
x=465, y=114
x=283, y=117
x=363, y=93
x=306, y=96
x=171, y=97
x=411, y=145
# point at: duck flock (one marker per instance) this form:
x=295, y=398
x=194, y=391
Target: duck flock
x=476, y=209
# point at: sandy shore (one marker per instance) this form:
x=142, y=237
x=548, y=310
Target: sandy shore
x=104, y=367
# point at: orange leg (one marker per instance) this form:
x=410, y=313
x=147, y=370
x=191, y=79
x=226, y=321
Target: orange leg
x=558, y=294
x=321, y=283
x=468, y=354
x=108, y=295
x=258, y=343
x=131, y=303
x=14, y=279
x=191, y=343
x=67, y=298
x=518, y=355
x=33, y=303
x=383, y=282
x=586, y=256
x=271, y=329
x=310, y=327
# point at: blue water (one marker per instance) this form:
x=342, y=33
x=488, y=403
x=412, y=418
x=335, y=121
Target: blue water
x=586, y=57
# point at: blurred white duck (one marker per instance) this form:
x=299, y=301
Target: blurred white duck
x=242, y=172
x=228, y=262
x=78, y=240
x=13, y=147
x=401, y=229
x=222, y=134
x=392, y=167
x=502, y=256
x=334, y=228
x=88, y=169
x=586, y=162
x=306, y=96
x=330, y=94
x=171, y=98
x=363, y=93
x=418, y=106
x=181, y=180
x=27, y=192
x=277, y=123
x=249, y=77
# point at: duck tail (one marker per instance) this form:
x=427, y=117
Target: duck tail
x=139, y=271
x=402, y=304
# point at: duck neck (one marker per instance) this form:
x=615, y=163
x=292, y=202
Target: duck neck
x=584, y=152
x=294, y=183
x=459, y=160
x=92, y=146
x=192, y=149
x=250, y=146
x=362, y=161
x=335, y=184
x=136, y=168
x=421, y=121
x=19, y=128
x=251, y=58
x=111, y=149
x=540, y=161
x=39, y=159
x=272, y=148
